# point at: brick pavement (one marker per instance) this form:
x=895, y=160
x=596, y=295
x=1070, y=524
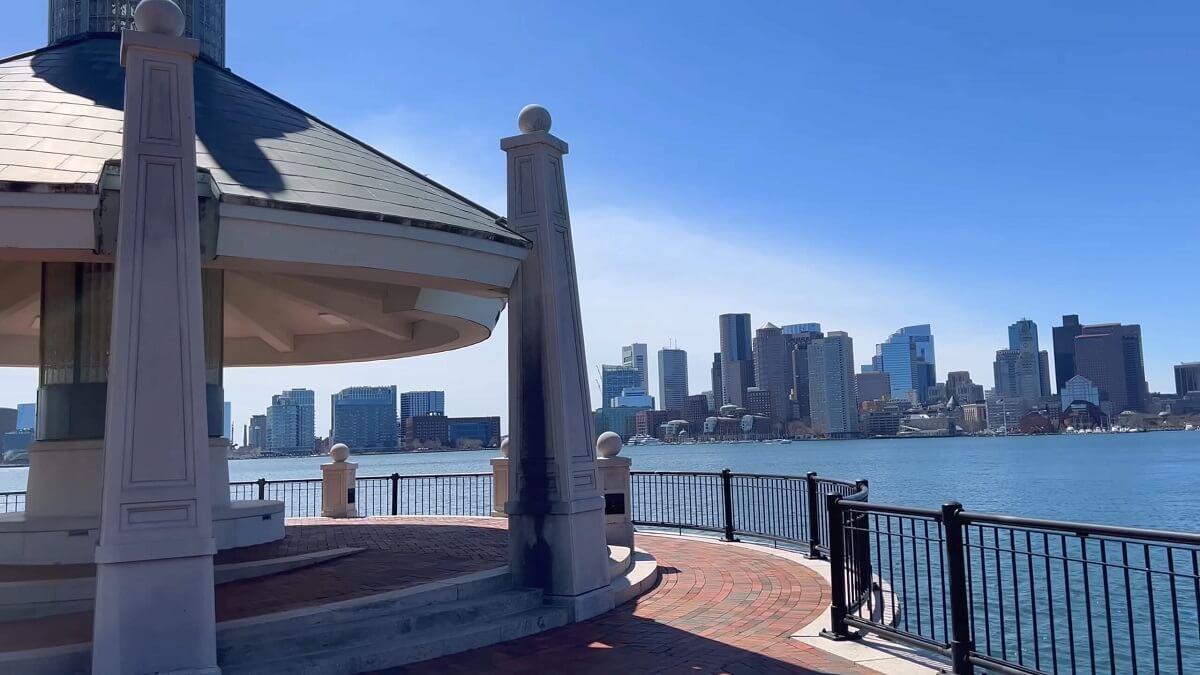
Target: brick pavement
x=717, y=609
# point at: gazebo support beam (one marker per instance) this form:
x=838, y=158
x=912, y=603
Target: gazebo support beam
x=555, y=508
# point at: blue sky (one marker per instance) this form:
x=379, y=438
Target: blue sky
x=865, y=165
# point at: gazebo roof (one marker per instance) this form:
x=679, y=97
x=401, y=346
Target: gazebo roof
x=61, y=119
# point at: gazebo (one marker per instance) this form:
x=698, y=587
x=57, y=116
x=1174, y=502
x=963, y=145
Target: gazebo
x=135, y=265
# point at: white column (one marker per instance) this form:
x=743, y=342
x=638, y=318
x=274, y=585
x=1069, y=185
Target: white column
x=616, y=485
x=154, y=578
x=500, y=481
x=337, y=481
x=556, y=512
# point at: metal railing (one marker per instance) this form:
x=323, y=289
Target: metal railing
x=1017, y=595
x=787, y=510
x=463, y=494
x=12, y=501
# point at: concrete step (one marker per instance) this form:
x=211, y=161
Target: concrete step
x=327, y=616
x=618, y=560
x=417, y=646
x=369, y=631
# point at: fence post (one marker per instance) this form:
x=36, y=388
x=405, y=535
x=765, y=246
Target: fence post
x=838, y=630
x=727, y=498
x=262, y=488
x=395, y=493
x=960, y=617
x=814, y=516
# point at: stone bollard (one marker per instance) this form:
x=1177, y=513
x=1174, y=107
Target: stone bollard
x=500, y=481
x=337, y=485
x=614, y=483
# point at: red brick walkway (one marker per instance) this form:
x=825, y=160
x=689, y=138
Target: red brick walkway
x=717, y=609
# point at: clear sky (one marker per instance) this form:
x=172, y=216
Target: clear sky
x=864, y=165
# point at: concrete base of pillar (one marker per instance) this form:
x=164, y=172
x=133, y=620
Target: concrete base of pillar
x=67, y=541
x=155, y=616
x=586, y=606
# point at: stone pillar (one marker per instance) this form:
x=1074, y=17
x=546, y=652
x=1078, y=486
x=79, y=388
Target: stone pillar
x=337, y=485
x=556, y=513
x=500, y=481
x=615, y=483
x=154, y=576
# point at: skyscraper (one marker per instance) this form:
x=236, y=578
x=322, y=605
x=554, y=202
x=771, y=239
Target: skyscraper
x=773, y=370
x=634, y=356
x=872, y=386
x=1064, y=350
x=960, y=386
x=797, y=346
x=1035, y=363
x=421, y=403
x=1110, y=355
x=737, y=359
x=26, y=415
x=718, y=387
x=615, y=379
x=227, y=429
x=672, y=378
x=1187, y=378
x=831, y=385
x=256, y=435
x=364, y=418
x=908, y=358
x=291, y=422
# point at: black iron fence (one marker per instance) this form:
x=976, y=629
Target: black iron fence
x=12, y=501
x=464, y=494
x=1017, y=595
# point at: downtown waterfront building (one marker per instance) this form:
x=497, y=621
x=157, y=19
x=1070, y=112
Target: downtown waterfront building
x=773, y=371
x=422, y=403
x=634, y=356
x=672, y=378
x=798, y=336
x=737, y=358
x=831, y=385
x=1064, y=349
x=364, y=418
x=1187, y=378
x=291, y=427
x=909, y=360
x=616, y=379
x=1110, y=356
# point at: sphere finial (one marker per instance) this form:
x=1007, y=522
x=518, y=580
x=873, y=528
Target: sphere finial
x=159, y=16
x=504, y=446
x=533, y=117
x=609, y=444
x=340, y=452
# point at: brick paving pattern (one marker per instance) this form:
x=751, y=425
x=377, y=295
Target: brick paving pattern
x=717, y=609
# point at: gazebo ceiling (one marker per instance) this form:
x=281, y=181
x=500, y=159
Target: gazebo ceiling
x=333, y=252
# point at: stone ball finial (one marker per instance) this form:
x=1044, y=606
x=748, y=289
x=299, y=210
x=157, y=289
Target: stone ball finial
x=340, y=452
x=533, y=117
x=609, y=444
x=159, y=16
x=504, y=446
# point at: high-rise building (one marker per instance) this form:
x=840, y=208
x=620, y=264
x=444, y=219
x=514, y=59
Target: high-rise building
x=760, y=402
x=831, y=385
x=960, y=386
x=1064, y=349
x=1187, y=378
x=1079, y=388
x=422, y=403
x=26, y=416
x=634, y=356
x=718, y=387
x=908, y=358
x=797, y=348
x=8, y=420
x=256, y=433
x=798, y=328
x=632, y=397
x=773, y=371
x=364, y=418
x=473, y=432
x=672, y=378
x=737, y=358
x=1110, y=355
x=1032, y=365
x=227, y=409
x=615, y=379
x=695, y=411
x=872, y=386
x=291, y=422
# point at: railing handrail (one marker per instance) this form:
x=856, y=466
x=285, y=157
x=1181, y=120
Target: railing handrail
x=1080, y=528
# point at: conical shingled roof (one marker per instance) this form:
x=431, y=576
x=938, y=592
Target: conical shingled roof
x=61, y=120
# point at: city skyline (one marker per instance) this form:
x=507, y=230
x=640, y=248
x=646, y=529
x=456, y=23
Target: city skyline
x=915, y=176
